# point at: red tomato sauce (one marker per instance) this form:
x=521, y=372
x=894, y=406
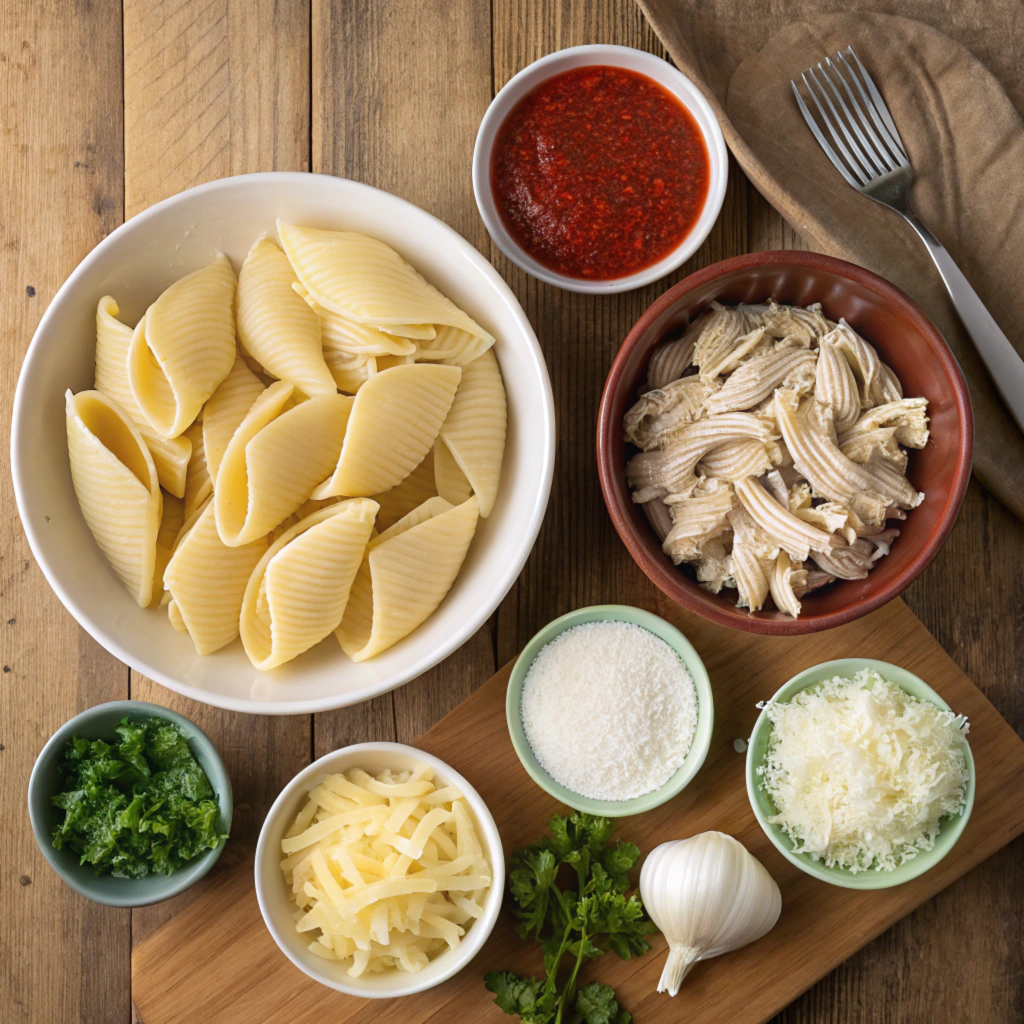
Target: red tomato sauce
x=599, y=172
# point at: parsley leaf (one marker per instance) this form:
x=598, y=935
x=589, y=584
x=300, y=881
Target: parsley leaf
x=139, y=806
x=574, y=925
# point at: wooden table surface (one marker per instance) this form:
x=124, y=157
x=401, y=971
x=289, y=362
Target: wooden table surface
x=111, y=105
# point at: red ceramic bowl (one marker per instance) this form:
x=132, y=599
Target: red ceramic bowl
x=905, y=339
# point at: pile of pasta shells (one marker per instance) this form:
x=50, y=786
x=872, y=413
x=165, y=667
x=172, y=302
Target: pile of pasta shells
x=773, y=452
x=300, y=451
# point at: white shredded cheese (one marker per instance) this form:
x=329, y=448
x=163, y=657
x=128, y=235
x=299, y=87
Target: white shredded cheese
x=861, y=772
x=609, y=709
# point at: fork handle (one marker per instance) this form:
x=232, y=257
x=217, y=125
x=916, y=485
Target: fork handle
x=1004, y=364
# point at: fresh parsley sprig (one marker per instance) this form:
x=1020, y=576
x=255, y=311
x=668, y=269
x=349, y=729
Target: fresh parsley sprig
x=576, y=925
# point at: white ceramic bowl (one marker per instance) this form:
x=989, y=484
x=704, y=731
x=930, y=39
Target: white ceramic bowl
x=622, y=57
x=134, y=264
x=278, y=909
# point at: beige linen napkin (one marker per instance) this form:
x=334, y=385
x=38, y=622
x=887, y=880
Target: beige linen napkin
x=963, y=133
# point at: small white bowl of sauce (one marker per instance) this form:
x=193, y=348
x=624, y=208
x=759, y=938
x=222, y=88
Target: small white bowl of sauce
x=599, y=169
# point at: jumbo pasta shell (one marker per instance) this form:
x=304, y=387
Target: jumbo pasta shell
x=275, y=326
x=297, y=593
x=113, y=341
x=184, y=347
x=405, y=575
x=117, y=487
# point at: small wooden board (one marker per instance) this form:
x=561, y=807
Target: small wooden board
x=215, y=961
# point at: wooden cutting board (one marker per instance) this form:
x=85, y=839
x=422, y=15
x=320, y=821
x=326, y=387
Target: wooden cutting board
x=216, y=962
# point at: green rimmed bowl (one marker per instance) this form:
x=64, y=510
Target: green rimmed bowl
x=46, y=781
x=705, y=710
x=952, y=825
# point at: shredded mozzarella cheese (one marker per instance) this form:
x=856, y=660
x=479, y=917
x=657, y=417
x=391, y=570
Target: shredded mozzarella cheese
x=861, y=772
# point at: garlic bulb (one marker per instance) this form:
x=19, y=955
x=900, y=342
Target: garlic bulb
x=708, y=896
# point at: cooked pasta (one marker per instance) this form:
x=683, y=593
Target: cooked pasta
x=117, y=487
x=474, y=430
x=184, y=347
x=297, y=593
x=367, y=281
x=171, y=522
x=275, y=459
x=449, y=480
x=198, y=482
x=113, y=340
x=395, y=418
x=416, y=488
x=206, y=582
x=275, y=326
x=773, y=452
x=322, y=472
x=405, y=575
x=224, y=412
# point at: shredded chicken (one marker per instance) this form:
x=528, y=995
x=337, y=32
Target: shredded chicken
x=773, y=452
x=803, y=326
x=906, y=415
x=835, y=384
x=659, y=415
x=698, y=518
x=756, y=379
x=672, y=360
x=669, y=470
x=782, y=583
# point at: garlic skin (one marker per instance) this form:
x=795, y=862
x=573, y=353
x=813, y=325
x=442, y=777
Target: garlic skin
x=708, y=896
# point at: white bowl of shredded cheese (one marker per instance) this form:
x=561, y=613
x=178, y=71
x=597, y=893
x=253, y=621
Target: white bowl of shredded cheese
x=610, y=710
x=384, y=768
x=860, y=774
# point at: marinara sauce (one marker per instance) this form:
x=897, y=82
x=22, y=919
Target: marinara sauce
x=599, y=172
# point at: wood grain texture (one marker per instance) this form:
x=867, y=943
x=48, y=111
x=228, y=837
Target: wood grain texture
x=398, y=93
x=212, y=89
x=820, y=924
x=60, y=104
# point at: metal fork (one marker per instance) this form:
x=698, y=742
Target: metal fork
x=872, y=158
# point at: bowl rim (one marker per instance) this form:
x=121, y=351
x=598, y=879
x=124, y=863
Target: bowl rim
x=546, y=67
x=673, y=584
x=475, y=937
x=699, y=747
x=501, y=586
x=187, y=875
x=866, y=880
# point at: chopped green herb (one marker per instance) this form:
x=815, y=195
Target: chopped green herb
x=582, y=924
x=140, y=805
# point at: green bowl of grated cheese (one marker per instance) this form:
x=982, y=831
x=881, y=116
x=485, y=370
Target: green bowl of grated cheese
x=875, y=762
x=581, y=727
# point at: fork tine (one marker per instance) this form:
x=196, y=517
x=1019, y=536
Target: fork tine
x=877, y=108
x=866, y=151
x=859, y=169
x=822, y=141
x=880, y=151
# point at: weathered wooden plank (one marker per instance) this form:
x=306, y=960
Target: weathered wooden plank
x=212, y=89
x=60, y=104
x=398, y=93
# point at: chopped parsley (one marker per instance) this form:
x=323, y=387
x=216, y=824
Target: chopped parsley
x=573, y=925
x=140, y=805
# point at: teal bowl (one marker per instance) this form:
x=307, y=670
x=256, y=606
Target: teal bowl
x=705, y=710
x=951, y=826
x=46, y=781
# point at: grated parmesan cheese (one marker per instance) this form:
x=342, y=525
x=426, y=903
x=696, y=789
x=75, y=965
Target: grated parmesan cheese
x=609, y=709
x=861, y=772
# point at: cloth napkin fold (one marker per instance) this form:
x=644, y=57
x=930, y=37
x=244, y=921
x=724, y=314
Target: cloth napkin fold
x=959, y=117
